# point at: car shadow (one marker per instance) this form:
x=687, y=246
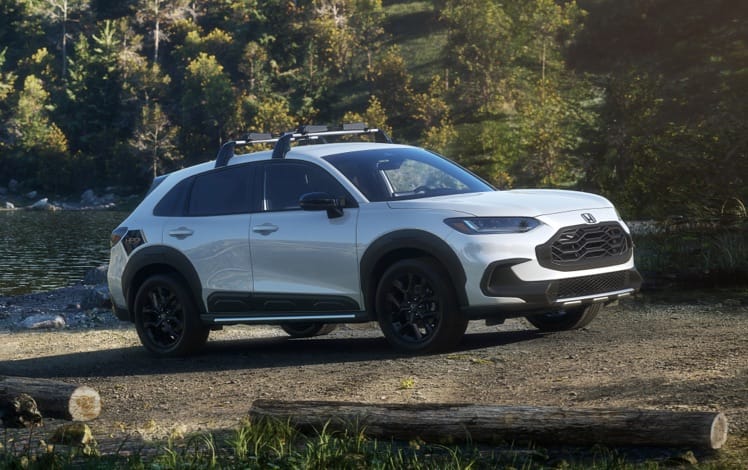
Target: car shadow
x=236, y=354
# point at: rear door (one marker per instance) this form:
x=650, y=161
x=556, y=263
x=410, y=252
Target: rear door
x=303, y=261
x=213, y=228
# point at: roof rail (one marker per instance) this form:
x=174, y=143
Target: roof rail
x=307, y=133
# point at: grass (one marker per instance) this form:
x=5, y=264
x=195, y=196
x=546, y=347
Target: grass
x=414, y=26
x=277, y=445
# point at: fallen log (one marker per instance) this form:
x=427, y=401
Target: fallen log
x=447, y=423
x=54, y=399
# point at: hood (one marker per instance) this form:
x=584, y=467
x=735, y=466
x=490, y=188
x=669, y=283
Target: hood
x=514, y=203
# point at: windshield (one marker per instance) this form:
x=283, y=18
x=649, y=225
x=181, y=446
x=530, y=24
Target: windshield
x=405, y=173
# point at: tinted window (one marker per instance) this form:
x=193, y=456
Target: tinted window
x=405, y=173
x=285, y=183
x=221, y=192
x=174, y=203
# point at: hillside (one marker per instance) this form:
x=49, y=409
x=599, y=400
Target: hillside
x=642, y=102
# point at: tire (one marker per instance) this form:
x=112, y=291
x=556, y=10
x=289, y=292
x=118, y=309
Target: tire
x=569, y=319
x=307, y=330
x=166, y=318
x=417, y=307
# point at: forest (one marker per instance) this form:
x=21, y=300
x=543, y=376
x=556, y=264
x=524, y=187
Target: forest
x=643, y=101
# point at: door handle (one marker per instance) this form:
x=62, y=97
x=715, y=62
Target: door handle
x=265, y=229
x=181, y=233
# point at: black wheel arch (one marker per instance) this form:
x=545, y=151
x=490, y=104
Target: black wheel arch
x=402, y=244
x=160, y=259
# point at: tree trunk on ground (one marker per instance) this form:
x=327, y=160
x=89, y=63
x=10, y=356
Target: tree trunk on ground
x=511, y=424
x=54, y=399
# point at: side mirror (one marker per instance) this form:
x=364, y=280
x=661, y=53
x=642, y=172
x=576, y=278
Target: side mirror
x=323, y=202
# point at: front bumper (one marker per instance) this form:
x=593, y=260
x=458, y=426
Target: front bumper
x=500, y=281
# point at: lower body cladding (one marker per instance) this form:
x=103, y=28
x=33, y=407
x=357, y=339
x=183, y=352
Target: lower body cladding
x=527, y=297
x=230, y=308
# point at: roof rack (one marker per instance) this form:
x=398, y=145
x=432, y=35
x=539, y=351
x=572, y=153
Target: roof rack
x=307, y=134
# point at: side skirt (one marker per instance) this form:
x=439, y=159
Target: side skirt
x=277, y=318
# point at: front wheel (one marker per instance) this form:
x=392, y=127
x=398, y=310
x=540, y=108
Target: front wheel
x=166, y=318
x=565, y=319
x=308, y=330
x=417, y=307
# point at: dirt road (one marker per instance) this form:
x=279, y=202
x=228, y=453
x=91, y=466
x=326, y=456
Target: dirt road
x=642, y=354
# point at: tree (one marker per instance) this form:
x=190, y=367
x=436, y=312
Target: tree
x=40, y=145
x=7, y=79
x=675, y=74
x=478, y=48
x=154, y=139
x=158, y=15
x=432, y=111
x=206, y=106
x=368, y=30
x=374, y=116
x=62, y=12
x=392, y=85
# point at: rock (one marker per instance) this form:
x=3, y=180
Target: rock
x=96, y=275
x=88, y=198
x=20, y=412
x=43, y=321
x=13, y=186
x=43, y=204
x=9, y=205
x=75, y=434
x=32, y=195
x=96, y=297
x=40, y=205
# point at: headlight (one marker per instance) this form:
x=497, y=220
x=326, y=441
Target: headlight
x=477, y=225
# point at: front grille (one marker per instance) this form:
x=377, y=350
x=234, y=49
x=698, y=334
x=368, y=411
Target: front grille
x=586, y=247
x=591, y=285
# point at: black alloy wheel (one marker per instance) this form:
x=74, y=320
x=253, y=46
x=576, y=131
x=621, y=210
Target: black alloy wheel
x=417, y=307
x=166, y=318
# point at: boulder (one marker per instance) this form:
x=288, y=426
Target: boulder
x=88, y=198
x=96, y=297
x=96, y=275
x=42, y=205
x=13, y=186
x=31, y=195
x=43, y=321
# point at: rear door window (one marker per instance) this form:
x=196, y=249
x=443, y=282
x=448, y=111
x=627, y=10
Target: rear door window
x=221, y=192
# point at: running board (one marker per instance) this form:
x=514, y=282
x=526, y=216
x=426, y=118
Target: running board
x=274, y=318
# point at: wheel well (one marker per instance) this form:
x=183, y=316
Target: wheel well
x=383, y=264
x=144, y=273
x=403, y=244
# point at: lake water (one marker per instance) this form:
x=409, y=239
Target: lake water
x=45, y=250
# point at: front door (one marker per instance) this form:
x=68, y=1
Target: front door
x=303, y=261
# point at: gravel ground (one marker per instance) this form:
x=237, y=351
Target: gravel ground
x=673, y=354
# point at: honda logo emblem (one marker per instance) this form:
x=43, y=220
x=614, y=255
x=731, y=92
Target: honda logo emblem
x=589, y=218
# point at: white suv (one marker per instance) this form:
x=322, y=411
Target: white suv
x=326, y=233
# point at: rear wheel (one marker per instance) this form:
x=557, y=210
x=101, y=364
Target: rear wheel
x=166, y=318
x=565, y=319
x=307, y=330
x=417, y=307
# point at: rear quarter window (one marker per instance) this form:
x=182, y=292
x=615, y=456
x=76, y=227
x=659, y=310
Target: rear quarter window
x=174, y=202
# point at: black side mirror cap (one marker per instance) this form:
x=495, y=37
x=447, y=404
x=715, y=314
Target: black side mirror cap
x=323, y=202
